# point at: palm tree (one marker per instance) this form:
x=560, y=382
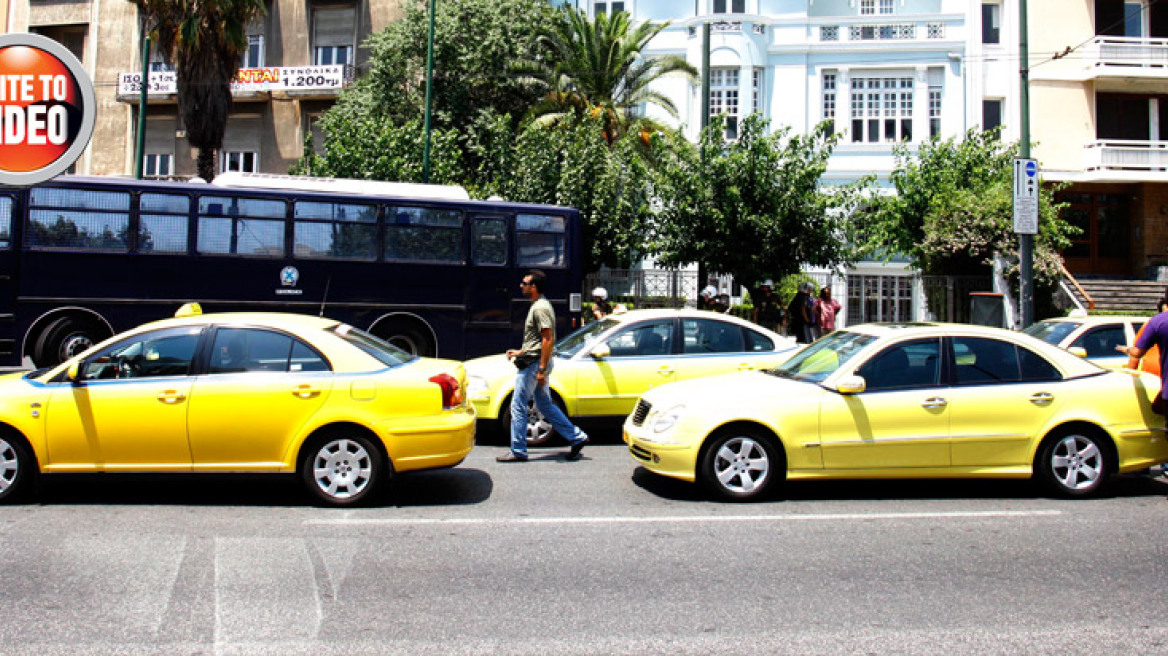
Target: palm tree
x=596, y=68
x=205, y=40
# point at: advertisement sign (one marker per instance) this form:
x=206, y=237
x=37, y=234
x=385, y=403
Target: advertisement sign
x=272, y=78
x=47, y=109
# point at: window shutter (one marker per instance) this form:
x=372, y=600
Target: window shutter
x=334, y=26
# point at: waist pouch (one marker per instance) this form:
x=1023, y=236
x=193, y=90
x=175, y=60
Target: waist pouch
x=524, y=360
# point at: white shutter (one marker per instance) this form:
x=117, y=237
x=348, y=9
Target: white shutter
x=334, y=26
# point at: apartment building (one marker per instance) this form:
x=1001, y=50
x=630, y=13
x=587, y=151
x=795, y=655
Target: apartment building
x=1099, y=112
x=301, y=54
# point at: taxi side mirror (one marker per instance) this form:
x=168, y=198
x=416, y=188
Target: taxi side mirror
x=1078, y=351
x=600, y=352
x=73, y=372
x=851, y=385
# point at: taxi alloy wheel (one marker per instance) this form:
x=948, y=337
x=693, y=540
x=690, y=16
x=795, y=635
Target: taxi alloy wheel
x=539, y=428
x=741, y=465
x=1073, y=463
x=16, y=468
x=342, y=470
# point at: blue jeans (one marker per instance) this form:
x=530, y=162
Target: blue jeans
x=525, y=386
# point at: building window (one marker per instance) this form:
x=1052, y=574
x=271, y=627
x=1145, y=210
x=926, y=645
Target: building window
x=607, y=7
x=158, y=165
x=1133, y=18
x=829, y=97
x=887, y=6
x=253, y=57
x=729, y=6
x=879, y=298
x=724, y=98
x=867, y=7
x=934, y=111
x=991, y=23
x=882, y=109
x=756, y=91
x=333, y=34
x=991, y=114
x=241, y=161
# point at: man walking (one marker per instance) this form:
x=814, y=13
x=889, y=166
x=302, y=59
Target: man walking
x=534, y=362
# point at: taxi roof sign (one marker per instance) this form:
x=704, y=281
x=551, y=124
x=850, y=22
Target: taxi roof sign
x=189, y=310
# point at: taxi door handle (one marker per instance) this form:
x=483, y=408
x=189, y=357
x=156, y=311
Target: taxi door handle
x=665, y=370
x=171, y=397
x=934, y=402
x=305, y=391
x=1041, y=398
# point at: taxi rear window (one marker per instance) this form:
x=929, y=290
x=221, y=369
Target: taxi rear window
x=379, y=349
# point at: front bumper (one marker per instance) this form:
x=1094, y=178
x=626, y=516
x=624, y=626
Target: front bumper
x=673, y=460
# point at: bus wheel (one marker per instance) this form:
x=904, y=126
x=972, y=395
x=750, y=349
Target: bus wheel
x=63, y=339
x=408, y=337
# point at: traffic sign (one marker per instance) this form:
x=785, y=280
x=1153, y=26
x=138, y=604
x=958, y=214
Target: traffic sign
x=1026, y=196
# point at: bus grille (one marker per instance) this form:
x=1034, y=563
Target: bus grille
x=641, y=411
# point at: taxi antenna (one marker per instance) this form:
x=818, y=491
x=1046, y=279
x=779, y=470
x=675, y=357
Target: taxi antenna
x=324, y=299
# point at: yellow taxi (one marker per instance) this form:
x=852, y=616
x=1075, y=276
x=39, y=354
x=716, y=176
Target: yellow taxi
x=262, y=392
x=904, y=401
x=601, y=369
x=1091, y=337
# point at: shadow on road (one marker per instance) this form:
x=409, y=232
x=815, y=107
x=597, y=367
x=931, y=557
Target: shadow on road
x=1130, y=485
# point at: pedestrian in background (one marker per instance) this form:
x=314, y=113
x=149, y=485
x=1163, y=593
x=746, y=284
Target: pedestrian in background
x=799, y=314
x=767, y=307
x=534, y=362
x=600, y=305
x=826, y=310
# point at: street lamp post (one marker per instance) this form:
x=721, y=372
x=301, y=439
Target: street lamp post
x=429, y=96
x=1025, y=241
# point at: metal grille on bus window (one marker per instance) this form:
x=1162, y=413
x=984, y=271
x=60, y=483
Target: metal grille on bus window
x=541, y=240
x=335, y=230
x=422, y=233
x=167, y=203
x=90, y=231
x=241, y=237
x=80, y=199
x=163, y=233
x=232, y=206
x=5, y=222
x=489, y=244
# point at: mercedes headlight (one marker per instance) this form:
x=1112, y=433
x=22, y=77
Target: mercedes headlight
x=666, y=420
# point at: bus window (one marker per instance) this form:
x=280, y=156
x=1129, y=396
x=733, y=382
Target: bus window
x=541, y=240
x=335, y=230
x=79, y=219
x=162, y=223
x=241, y=226
x=5, y=223
x=489, y=243
x=423, y=233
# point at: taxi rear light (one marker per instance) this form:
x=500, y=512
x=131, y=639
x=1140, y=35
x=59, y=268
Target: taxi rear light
x=451, y=390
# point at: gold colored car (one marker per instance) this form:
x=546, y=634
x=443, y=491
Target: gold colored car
x=602, y=369
x=275, y=393
x=904, y=401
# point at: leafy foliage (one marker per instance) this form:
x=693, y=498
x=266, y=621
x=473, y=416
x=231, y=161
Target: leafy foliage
x=752, y=208
x=954, y=209
x=205, y=41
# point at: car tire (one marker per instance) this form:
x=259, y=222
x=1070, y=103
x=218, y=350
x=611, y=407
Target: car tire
x=17, y=468
x=539, y=429
x=64, y=338
x=741, y=464
x=343, y=468
x=1074, y=463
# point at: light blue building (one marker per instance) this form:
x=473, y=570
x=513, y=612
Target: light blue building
x=882, y=71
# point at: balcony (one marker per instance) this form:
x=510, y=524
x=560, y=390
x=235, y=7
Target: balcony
x=1117, y=63
x=1127, y=160
x=300, y=82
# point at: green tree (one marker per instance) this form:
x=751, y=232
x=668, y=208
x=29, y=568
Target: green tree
x=953, y=209
x=752, y=207
x=597, y=68
x=205, y=40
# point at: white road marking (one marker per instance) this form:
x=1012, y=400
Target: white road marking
x=825, y=517
x=265, y=592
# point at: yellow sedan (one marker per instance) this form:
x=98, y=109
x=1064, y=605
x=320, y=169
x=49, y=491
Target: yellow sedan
x=268, y=393
x=602, y=369
x=905, y=401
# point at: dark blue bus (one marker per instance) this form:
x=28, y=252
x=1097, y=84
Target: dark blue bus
x=422, y=266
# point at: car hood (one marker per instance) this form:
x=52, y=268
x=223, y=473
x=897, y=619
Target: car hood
x=490, y=367
x=740, y=389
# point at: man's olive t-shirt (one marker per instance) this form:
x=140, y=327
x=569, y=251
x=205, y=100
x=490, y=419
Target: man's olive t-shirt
x=540, y=316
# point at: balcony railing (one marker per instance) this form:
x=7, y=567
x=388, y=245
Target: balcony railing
x=1127, y=55
x=1117, y=155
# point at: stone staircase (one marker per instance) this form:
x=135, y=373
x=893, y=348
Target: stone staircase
x=1134, y=296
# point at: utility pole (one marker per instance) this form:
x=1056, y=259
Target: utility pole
x=140, y=146
x=429, y=96
x=1025, y=241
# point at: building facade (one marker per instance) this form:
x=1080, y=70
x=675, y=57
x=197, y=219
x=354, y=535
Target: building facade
x=301, y=54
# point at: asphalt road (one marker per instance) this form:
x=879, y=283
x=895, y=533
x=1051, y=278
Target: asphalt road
x=590, y=557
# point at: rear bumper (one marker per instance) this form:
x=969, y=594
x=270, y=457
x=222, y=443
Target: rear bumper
x=444, y=441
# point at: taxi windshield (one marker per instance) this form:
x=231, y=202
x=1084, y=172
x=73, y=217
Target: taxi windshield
x=584, y=336
x=1051, y=332
x=821, y=359
x=381, y=350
